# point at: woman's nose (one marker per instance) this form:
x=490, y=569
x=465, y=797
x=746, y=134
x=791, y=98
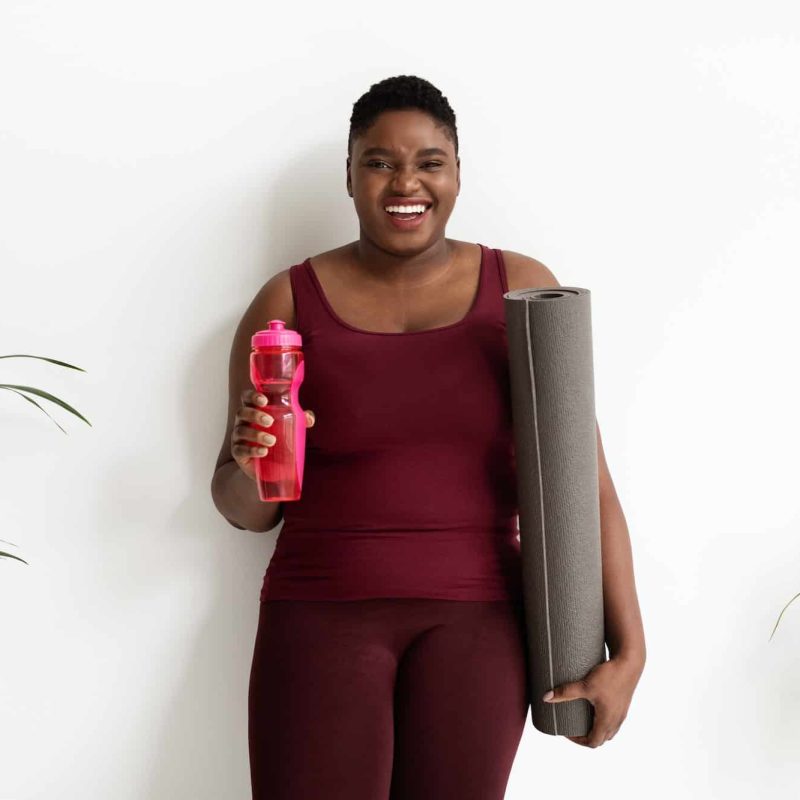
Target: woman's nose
x=405, y=177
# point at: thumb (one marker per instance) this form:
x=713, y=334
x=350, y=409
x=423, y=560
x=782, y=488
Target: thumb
x=310, y=418
x=566, y=691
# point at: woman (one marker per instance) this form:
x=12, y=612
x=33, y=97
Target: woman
x=389, y=659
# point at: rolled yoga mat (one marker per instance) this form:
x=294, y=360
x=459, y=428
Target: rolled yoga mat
x=555, y=442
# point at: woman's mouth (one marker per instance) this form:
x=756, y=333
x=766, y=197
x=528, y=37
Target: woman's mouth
x=407, y=219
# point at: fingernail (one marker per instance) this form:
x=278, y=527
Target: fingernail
x=265, y=419
x=548, y=696
x=261, y=399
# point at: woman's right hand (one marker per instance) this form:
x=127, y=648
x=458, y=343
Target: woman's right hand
x=245, y=433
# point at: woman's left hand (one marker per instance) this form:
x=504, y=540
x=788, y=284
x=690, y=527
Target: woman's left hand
x=609, y=688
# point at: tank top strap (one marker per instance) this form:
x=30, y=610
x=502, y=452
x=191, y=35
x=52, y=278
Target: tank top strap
x=309, y=308
x=493, y=282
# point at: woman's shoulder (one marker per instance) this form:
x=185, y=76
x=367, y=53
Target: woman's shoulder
x=523, y=271
x=276, y=296
x=275, y=299
x=332, y=257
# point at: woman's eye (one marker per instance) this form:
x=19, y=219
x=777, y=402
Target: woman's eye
x=428, y=164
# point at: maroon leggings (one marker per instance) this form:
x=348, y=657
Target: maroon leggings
x=386, y=699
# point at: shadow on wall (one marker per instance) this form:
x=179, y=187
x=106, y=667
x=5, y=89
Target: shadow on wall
x=300, y=210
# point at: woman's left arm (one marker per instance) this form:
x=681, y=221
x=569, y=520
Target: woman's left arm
x=623, y=619
x=610, y=685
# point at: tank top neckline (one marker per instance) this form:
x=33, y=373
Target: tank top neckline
x=466, y=318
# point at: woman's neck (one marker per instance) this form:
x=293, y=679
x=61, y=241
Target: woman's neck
x=400, y=271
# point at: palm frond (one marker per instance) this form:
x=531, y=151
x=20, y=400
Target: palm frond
x=44, y=358
x=9, y=555
x=781, y=614
x=47, y=396
x=31, y=400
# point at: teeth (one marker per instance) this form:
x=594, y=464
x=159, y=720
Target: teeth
x=406, y=209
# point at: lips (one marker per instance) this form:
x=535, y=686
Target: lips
x=408, y=224
x=406, y=201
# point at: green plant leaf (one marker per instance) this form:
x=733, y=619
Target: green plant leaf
x=31, y=400
x=16, y=389
x=3, y=554
x=781, y=614
x=9, y=555
x=51, y=360
x=47, y=396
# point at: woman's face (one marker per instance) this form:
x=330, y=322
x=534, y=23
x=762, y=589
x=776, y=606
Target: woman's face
x=405, y=154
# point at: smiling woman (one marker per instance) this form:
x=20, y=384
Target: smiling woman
x=404, y=163
x=390, y=632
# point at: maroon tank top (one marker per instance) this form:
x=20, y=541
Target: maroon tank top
x=409, y=485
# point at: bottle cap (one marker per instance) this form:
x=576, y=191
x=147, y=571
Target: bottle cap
x=277, y=335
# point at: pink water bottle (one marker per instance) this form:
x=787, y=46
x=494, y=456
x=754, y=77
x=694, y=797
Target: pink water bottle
x=276, y=370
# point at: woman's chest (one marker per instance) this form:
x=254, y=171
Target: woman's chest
x=403, y=311
x=374, y=391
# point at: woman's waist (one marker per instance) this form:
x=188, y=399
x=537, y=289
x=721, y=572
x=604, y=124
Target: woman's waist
x=399, y=533
x=471, y=562
x=477, y=546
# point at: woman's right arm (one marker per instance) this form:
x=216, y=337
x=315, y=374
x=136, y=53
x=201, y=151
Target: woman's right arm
x=234, y=492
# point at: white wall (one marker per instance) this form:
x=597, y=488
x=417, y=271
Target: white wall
x=160, y=160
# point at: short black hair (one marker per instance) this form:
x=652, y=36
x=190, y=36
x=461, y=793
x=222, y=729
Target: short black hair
x=396, y=93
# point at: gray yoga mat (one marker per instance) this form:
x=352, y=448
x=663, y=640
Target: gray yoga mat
x=555, y=442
